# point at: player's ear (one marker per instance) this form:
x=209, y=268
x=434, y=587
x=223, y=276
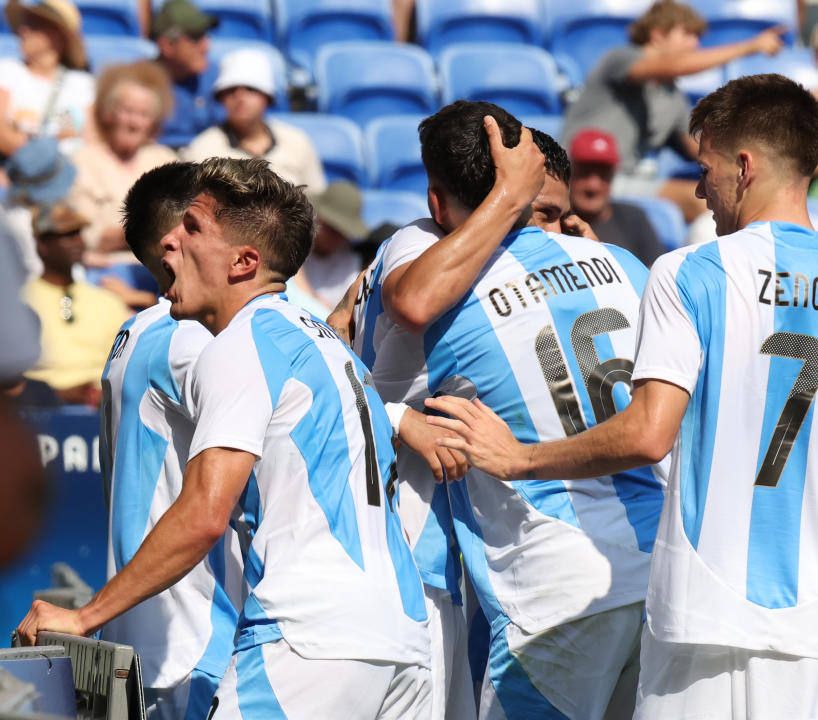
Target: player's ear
x=437, y=204
x=746, y=167
x=245, y=262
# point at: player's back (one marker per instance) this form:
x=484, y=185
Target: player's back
x=546, y=339
x=145, y=436
x=738, y=552
x=326, y=563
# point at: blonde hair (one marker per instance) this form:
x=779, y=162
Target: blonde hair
x=663, y=16
x=144, y=73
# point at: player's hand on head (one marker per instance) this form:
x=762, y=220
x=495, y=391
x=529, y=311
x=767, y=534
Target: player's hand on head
x=576, y=226
x=45, y=616
x=521, y=169
x=481, y=435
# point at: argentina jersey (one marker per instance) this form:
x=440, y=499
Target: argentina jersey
x=398, y=366
x=326, y=565
x=734, y=323
x=144, y=440
x=546, y=339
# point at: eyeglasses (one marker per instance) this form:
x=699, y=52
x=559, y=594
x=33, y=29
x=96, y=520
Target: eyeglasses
x=66, y=307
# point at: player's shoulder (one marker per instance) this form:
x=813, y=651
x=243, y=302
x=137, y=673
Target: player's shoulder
x=420, y=229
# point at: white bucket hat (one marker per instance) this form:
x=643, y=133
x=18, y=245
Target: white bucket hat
x=246, y=68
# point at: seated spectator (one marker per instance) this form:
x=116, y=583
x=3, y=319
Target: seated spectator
x=631, y=93
x=47, y=92
x=180, y=32
x=132, y=100
x=593, y=163
x=79, y=321
x=245, y=87
x=335, y=262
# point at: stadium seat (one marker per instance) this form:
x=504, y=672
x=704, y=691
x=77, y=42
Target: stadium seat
x=665, y=216
x=104, y=50
x=794, y=63
x=364, y=80
x=735, y=20
x=522, y=79
x=9, y=45
x=338, y=141
x=700, y=84
x=549, y=124
x=392, y=206
x=393, y=154
x=250, y=19
x=440, y=24
x=109, y=17
x=669, y=164
x=306, y=25
x=219, y=47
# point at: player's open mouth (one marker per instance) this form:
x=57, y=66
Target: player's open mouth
x=171, y=276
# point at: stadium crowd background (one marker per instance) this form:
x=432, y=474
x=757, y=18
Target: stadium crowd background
x=348, y=81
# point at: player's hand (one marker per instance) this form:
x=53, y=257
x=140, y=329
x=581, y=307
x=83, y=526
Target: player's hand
x=45, y=616
x=481, y=435
x=576, y=226
x=520, y=171
x=445, y=463
x=769, y=41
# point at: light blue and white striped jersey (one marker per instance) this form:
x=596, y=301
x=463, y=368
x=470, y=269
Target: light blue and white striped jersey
x=398, y=365
x=735, y=323
x=144, y=441
x=546, y=338
x=326, y=563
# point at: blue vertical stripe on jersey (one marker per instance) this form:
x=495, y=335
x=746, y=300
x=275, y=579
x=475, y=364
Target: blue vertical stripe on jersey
x=285, y=351
x=775, y=519
x=634, y=268
x=642, y=496
x=701, y=283
x=136, y=481
x=257, y=699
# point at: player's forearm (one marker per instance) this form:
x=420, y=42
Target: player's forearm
x=668, y=67
x=340, y=319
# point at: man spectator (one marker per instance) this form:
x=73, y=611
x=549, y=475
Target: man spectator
x=79, y=321
x=594, y=159
x=180, y=31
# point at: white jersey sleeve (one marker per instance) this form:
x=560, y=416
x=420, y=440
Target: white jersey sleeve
x=408, y=243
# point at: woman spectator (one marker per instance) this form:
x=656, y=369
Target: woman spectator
x=132, y=101
x=48, y=92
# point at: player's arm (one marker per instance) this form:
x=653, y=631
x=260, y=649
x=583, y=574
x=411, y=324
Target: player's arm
x=420, y=437
x=643, y=433
x=213, y=483
x=418, y=292
x=341, y=319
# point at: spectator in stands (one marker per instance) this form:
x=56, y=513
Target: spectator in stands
x=594, y=159
x=334, y=263
x=631, y=94
x=132, y=100
x=47, y=92
x=246, y=88
x=79, y=321
x=180, y=30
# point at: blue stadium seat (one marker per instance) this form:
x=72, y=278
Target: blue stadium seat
x=9, y=45
x=393, y=154
x=549, y=124
x=105, y=50
x=794, y=63
x=701, y=84
x=520, y=78
x=338, y=141
x=735, y=20
x=665, y=216
x=219, y=47
x=440, y=24
x=392, y=206
x=306, y=25
x=109, y=17
x=364, y=80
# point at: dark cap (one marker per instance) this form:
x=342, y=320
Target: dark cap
x=56, y=219
x=182, y=16
x=340, y=206
x=594, y=146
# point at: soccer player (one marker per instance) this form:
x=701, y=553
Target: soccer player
x=293, y=445
x=560, y=571
x=725, y=374
x=184, y=635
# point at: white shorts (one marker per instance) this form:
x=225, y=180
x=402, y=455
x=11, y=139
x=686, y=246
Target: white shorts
x=721, y=683
x=583, y=670
x=189, y=700
x=452, y=692
x=273, y=682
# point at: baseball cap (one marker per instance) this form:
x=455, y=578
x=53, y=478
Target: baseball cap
x=183, y=16
x=57, y=219
x=594, y=146
x=339, y=206
x=246, y=68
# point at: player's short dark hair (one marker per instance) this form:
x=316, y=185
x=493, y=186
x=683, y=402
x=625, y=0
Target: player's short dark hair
x=556, y=159
x=261, y=209
x=155, y=204
x=455, y=148
x=770, y=110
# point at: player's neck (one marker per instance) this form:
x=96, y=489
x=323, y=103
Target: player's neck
x=788, y=205
x=234, y=301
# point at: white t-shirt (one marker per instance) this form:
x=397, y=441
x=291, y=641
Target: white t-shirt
x=146, y=433
x=326, y=563
x=734, y=323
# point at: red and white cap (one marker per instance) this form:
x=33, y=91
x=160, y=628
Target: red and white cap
x=594, y=146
